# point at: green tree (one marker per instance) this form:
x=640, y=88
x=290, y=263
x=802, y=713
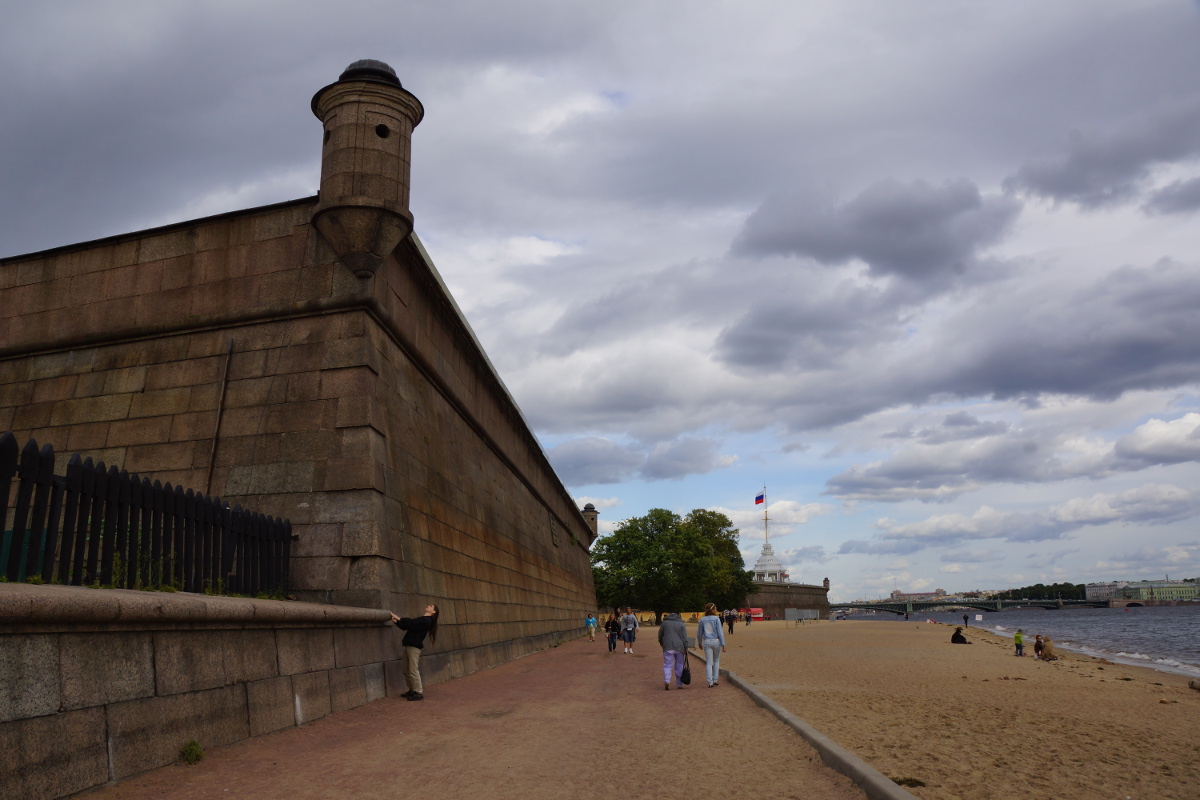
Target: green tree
x=663, y=562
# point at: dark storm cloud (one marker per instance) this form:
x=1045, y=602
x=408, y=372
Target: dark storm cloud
x=589, y=461
x=916, y=230
x=1180, y=197
x=583, y=462
x=1135, y=328
x=1103, y=168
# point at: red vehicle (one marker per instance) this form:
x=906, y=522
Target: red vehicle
x=755, y=613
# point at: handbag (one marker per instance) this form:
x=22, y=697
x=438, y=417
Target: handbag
x=686, y=677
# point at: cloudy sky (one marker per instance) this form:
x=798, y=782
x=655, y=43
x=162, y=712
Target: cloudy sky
x=928, y=271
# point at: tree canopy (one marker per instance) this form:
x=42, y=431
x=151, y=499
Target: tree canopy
x=664, y=562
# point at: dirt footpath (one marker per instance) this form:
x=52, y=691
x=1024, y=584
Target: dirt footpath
x=572, y=722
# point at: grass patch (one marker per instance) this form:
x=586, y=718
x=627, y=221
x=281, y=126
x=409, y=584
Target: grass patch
x=192, y=753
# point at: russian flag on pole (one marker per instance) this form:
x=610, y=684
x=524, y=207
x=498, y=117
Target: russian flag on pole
x=759, y=498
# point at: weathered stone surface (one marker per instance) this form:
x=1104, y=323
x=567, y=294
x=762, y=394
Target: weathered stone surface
x=357, y=646
x=249, y=655
x=376, y=681
x=52, y=756
x=271, y=704
x=102, y=668
x=149, y=733
x=347, y=688
x=28, y=676
x=305, y=650
x=311, y=696
x=187, y=661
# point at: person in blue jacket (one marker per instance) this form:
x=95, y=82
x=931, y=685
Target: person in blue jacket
x=710, y=636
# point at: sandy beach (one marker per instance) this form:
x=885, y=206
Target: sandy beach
x=976, y=722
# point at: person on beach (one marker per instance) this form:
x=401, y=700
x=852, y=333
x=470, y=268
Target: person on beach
x=1038, y=647
x=672, y=637
x=958, y=638
x=613, y=628
x=1048, y=653
x=711, y=638
x=629, y=626
x=591, y=627
x=1019, y=641
x=415, y=631
x=966, y=621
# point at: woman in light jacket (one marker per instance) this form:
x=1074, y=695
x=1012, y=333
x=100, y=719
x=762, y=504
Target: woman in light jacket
x=711, y=636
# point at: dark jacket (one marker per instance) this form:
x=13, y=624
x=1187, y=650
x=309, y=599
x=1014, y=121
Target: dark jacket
x=415, y=630
x=672, y=634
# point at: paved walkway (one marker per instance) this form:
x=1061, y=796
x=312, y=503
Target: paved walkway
x=571, y=722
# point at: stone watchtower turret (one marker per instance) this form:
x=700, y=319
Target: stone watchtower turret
x=368, y=118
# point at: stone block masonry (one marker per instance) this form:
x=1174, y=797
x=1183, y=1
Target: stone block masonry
x=289, y=367
x=305, y=360
x=100, y=684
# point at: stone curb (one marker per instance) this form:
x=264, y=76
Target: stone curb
x=24, y=605
x=874, y=783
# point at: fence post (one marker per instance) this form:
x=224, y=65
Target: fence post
x=95, y=484
x=43, y=479
x=9, y=453
x=72, y=541
x=112, y=501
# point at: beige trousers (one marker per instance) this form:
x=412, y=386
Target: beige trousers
x=412, y=676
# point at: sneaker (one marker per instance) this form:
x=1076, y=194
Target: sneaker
x=408, y=694
x=667, y=687
x=416, y=696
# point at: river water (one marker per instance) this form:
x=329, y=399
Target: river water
x=1163, y=637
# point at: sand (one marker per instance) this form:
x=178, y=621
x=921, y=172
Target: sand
x=975, y=721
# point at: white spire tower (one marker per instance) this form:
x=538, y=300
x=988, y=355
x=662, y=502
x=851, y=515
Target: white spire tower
x=768, y=568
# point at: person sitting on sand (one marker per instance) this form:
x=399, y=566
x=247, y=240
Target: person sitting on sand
x=1038, y=646
x=958, y=637
x=1048, y=650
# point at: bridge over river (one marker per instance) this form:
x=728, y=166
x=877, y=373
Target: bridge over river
x=915, y=606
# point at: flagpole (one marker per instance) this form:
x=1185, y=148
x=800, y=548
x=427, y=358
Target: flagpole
x=766, y=530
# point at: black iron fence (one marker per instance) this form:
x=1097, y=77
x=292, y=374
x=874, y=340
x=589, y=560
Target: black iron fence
x=104, y=527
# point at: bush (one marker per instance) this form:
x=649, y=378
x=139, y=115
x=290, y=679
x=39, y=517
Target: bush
x=192, y=752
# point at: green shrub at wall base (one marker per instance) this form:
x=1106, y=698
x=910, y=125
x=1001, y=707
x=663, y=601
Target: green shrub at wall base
x=192, y=753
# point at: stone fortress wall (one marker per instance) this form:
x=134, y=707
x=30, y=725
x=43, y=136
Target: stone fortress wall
x=306, y=360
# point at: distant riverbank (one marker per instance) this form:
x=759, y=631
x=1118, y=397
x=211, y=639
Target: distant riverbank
x=1163, y=637
x=973, y=721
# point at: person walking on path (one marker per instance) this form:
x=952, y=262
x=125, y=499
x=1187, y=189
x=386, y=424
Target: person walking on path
x=711, y=637
x=414, y=639
x=612, y=627
x=672, y=637
x=629, y=626
x=730, y=619
x=591, y=627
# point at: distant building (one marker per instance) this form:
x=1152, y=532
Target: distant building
x=1143, y=590
x=938, y=594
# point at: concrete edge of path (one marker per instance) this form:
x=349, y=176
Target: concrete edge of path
x=874, y=783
